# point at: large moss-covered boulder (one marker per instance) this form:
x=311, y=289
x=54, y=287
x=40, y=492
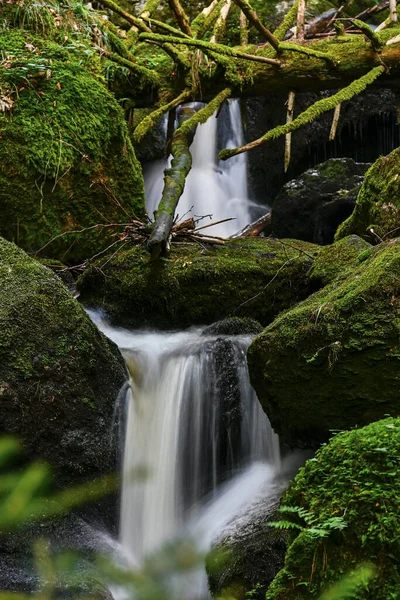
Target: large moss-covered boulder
x=199, y=285
x=312, y=206
x=333, y=361
x=59, y=376
x=345, y=507
x=66, y=159
x=378, y=202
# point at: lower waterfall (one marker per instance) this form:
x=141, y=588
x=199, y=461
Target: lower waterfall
x=196, y=427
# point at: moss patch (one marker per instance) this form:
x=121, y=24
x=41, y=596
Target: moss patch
x=336, y=259
x=66, y=160
x=59, y=376
x=244, y=278
x=333, y=361
x=356, y=478
x=378, y=202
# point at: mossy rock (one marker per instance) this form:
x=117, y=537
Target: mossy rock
x=59, y=376
x=66, y=160
x=254, y=278
x=378, y=202
x=333, y=361
x=335, y=259
x=311, y=206
x=353, y=483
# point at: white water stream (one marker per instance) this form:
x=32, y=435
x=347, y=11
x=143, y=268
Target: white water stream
x=212, y=187
x=195, y=424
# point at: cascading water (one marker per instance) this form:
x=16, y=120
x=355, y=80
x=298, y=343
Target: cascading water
x=196, y=426
x=212, y=187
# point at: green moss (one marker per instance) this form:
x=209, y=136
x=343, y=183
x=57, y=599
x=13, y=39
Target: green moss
x=378, y=202
x=355, y=477
x=332, y=361
x=336, y=259
x=244, y=278
x=58, y=375
x=66, y=160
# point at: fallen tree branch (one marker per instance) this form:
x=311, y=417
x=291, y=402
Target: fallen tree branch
x=335, y=122
x=153, y=118
x=180, y=16
x=311, y=113
x=175, y=176
x=255, y=228
x=253, y=18
x=216, y=48
x=288, y=136
x=220, y=24
x=287, y=22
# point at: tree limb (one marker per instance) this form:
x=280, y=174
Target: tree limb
x=311, y=113
x=217, y=48
x=253, y=18
x=175, y=176
x=180, y=16
x=153, y=118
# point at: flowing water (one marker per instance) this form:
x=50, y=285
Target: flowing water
x=195, y=424
x=212, y=187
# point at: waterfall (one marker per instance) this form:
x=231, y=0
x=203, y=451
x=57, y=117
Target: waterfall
x=196, y=427
x=212, y=187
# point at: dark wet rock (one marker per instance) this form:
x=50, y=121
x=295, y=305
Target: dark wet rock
x=248, y=555
x=332, y=362
x=234, y=326
x=311, y=207
x=367, y=129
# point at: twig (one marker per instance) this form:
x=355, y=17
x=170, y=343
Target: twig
x=335, y=122
x=60, y=235
x=288, y=136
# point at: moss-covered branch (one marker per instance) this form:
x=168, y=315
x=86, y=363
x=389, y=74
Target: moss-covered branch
x=217, y=48
x=375, y=40
x=205, y=113
x=146, y=76
x=141, y=26
x=165, y=27
x=174, y=184
x=310, y=114
x=153, y=118
x=287, y=22
x=125, y=15
x=206, y=19
x=175, y=176
x=254, y=20
x=291, y=47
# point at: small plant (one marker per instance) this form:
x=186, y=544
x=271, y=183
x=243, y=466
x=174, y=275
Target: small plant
x=307, y=521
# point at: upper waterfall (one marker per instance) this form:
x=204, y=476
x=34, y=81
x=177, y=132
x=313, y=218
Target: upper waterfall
x=212, y=187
